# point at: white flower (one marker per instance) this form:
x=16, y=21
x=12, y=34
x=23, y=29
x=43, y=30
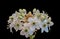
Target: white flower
x=10, y=20
x=37, y=11
x=50, y=23
x=16, y=24
x=45, y=25
x=13, y=17
x=44, y=28
x=11, y=26
x=26, y=30
x=16, y=14
x=35, y=22
x=34, y=10
x=22, y=11
x=25, y=33
x=15, y=20
x=30, y=28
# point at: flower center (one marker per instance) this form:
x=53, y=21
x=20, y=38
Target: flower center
x=26, y=30
x=48, y=22
x=44, y=25
x=17, y=25
x=33, y=23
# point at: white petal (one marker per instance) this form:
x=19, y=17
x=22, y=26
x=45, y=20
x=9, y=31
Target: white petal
x=16, y=28
x=49, y=27
x=45, y=21
x=22, y=33
x=30, y=32
x=41, y=25
x=42, y=30
x=11, y=25
x=43, y=12
x=20, y=10
x=46, y=29
x=32, y=28
x=30, y=19
x=26, y=35
x=20, y=27
x=10, y=21
x=11, y=29
x=34, y=10
x=38, y=27
x=24, y=10
x=37, y=11
x=52, y=23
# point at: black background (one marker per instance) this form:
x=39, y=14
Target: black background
x=8, y=7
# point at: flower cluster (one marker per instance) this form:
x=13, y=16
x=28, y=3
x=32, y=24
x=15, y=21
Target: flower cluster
x=29, y=22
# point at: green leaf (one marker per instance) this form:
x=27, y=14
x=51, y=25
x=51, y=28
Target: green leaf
x=32, y=36
x=23, y=14
x=20, y=17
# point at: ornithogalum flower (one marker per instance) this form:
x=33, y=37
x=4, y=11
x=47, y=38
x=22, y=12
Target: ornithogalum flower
x=29, y=23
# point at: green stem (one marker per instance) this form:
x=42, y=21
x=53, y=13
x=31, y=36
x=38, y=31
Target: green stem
x=32, y=36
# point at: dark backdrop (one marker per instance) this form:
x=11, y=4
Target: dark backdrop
x=8, y=7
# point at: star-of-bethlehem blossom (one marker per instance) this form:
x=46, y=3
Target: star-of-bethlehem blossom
x=29, y=23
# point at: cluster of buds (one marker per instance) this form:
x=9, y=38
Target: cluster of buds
x=29, y=23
